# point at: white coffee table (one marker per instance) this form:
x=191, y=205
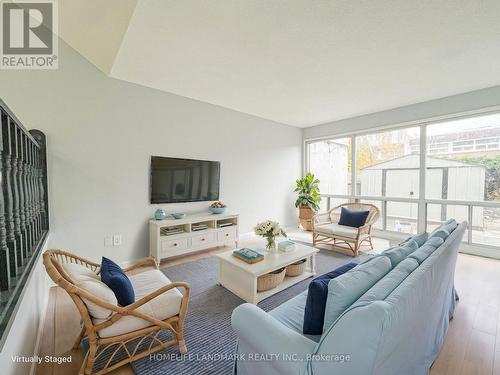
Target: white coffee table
x=241, y=278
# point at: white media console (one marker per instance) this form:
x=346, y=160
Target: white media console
x=195, y=232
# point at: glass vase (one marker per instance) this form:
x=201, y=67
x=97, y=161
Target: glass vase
x=271, y=244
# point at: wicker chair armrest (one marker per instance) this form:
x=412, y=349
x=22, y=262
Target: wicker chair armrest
x=145, y=262
x=129, y=308
x=156, y=293
x=363, y=229
x=316, y=219
x=132, y=309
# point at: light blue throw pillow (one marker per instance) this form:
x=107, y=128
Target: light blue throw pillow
x=445, y=229
x=398, y=253
x=418, y=238
x=440, y=233
x=389, y=282
x=344, y=290
x=427, y=249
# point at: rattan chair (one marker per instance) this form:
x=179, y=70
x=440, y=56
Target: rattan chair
x=326, y=229
x=136, y=344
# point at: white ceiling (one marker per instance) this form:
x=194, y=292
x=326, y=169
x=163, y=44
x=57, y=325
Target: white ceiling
x=300, y=62
x=95, y=28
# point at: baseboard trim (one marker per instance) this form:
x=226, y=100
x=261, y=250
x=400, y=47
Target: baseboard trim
x=39, y=332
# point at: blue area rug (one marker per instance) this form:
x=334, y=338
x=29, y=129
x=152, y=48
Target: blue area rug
x=209, y=337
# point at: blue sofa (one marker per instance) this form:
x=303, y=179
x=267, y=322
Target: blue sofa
x=397, y=326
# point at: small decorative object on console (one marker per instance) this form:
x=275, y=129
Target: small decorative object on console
x=160, y=214
x=217, y=207
x=269, y=230
x=179, y=215
x=286, y=246
x=248, y=255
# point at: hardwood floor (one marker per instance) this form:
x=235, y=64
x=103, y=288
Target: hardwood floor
x=472, y=345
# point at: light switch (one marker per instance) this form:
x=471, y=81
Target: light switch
x=117, y=240
x=108, y=241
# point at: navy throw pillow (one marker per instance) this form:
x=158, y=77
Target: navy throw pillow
x=353, y=218
x=314, y=313
x=113, y=276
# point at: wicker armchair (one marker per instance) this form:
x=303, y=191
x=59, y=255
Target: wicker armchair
x=136, y=344
x=326, y=229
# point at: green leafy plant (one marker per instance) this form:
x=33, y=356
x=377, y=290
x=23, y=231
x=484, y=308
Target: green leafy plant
x=308, y=190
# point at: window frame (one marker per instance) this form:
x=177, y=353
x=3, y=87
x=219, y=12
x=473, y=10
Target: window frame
x=422, y=201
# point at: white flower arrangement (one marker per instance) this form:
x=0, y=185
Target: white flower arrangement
x=270, y=230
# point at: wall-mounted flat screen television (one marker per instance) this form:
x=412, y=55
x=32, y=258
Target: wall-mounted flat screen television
x=176, y=180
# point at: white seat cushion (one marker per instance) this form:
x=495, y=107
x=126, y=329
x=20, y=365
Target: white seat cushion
x=162, y=307
x=89, y=281
x=339, y=230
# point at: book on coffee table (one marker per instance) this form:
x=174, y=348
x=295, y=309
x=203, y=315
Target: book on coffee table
x=286, y=246
x=248, y=255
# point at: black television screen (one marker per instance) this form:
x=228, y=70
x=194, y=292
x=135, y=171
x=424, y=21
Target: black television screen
x=184, y=180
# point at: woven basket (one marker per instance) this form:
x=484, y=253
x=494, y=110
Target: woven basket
x=297, y=268
x=270, y=280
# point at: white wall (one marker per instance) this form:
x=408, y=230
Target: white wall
x=101, y=133
x=456, y=104
x=23, y=332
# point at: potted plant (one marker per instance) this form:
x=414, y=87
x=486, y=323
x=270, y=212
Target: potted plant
x=308, y=199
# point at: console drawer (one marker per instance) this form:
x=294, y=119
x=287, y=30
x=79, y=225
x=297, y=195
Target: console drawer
x=173, y=246
x=203, y=239
x=227, y=235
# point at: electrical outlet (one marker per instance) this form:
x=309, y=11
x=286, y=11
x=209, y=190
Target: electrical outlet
x=108, y=241
x=117, y=240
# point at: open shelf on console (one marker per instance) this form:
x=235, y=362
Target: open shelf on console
x=227, y=222
x=172, y=230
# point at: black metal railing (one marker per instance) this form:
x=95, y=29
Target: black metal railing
x=24, y=219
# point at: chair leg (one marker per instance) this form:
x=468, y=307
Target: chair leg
x=84, y=363
x=179, y=334
x=371, y=244
x=79, y=338
x=91, y=357
x=314, y=238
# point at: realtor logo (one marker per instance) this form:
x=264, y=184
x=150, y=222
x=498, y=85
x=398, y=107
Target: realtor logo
x=29, y=35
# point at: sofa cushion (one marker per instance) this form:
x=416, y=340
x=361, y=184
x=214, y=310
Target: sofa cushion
x=353, y=218
x=344, y=290
x=445, y=229
x=418, y=238
x=450, y=225
x=427, y=249
x=440, y=233
x=113, y=276
x=291, y=314
x=314, y=312
x=77, y=271
x=389, y=282
x=89, y=281
x=339, y=230
x=398, y=253
x=162, y=307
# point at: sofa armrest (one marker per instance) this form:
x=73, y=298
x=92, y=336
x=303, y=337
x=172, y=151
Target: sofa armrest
x=263, y=334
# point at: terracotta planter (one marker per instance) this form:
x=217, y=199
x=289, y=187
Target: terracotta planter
x=305, y=215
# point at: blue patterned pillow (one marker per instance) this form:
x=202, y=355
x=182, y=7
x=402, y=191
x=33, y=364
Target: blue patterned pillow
x=113, y=276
